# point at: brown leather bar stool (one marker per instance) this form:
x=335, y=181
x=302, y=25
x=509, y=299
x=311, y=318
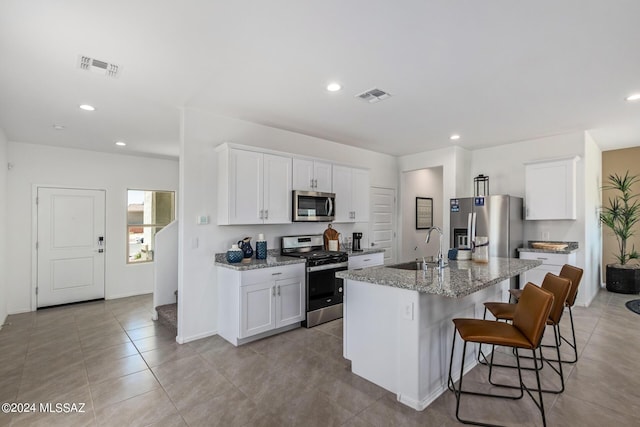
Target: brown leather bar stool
x=559, y=287
x=525, y=332
x=575, y=275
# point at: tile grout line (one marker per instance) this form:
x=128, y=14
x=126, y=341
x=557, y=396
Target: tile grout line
x=152, y=373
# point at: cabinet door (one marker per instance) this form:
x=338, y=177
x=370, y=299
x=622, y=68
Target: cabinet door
x=245, y=187
x=277, y=189
x=342, y=180
x=550, y=190
x=258, y=311
x=360, y=191
x=303, y=175
x=322, y=177
x=289, y=301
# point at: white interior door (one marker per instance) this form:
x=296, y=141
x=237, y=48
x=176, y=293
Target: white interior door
x=382, y=223
x=70, y=245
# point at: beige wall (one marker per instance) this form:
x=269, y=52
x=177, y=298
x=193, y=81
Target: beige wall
x=618, y=161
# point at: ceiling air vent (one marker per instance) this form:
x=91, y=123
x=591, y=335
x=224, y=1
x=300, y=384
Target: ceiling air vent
x=97, y=66
x=373, y=95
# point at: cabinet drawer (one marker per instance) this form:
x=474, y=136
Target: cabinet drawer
x=367, y=260
x=549, y=258
x=260, y=275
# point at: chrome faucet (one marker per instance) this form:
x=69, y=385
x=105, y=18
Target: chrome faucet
x=440, y=259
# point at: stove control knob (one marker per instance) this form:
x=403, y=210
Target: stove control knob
x=340, y=289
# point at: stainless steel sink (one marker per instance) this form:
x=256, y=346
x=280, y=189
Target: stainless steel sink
x=412, y=265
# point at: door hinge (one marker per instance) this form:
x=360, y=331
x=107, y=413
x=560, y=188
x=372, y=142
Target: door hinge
x=37, y=200
x=37, y=245
x=36, y=290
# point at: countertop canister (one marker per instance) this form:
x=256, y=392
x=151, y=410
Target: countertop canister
x=261, y=247
x=235, y=254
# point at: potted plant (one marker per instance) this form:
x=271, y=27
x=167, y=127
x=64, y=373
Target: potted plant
x=621, y=216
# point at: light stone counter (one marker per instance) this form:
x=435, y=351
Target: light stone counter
x=365, y=251
x=459, y=278
x=571, y=248
x=274, y=259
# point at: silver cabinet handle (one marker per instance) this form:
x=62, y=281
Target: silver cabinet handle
x=278, y=290
x=261, y=214
x=368, y=259
x=276, y=274
x=266, y=214
x=543, y=258
x=273, y=291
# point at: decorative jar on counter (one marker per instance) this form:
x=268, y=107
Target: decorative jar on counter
x=235, y=254
x=261, y=247
x=481, y=249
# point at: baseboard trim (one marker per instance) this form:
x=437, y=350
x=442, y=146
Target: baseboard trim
x=184, y=340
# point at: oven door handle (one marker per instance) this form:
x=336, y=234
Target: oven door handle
x=327, y=267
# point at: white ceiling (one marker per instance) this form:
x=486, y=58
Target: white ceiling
x=494, y=71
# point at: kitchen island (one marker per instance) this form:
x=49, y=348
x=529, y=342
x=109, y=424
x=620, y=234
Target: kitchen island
x=397, y=322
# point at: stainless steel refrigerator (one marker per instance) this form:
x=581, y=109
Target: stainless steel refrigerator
x=497, y=217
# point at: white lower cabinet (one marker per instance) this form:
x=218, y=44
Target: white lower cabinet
x=260, y=302
x=551, y=263
x=365, y=260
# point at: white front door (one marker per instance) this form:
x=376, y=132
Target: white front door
x=70, y=245
x=382, y=223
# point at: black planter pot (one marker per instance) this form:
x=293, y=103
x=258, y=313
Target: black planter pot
x=623, y=279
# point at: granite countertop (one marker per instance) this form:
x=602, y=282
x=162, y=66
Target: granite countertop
x=572, y=247
x=459, y=278
x=365, y=251
x=274, y=259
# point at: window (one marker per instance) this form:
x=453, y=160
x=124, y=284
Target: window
x=147, y=213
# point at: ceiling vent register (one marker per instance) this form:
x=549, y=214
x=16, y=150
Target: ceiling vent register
x=373, y=95
x=97, y=66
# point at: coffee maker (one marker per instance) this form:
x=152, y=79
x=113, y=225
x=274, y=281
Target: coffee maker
x=357, y=237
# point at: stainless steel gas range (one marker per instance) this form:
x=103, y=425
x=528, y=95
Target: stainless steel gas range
x=323, y=290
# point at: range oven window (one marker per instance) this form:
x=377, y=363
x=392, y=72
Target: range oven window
x=323, y=283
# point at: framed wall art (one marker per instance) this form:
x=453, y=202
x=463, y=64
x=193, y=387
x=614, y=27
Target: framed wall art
x=424, y=213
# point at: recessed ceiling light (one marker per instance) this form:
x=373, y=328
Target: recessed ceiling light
x=454, y=137
x=87, y=107
x=58, y=127
x=333, y=87
x=634, y=97
x=121, y=143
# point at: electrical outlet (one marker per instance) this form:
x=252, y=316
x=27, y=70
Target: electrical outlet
x=407, y=311
x=545, y=235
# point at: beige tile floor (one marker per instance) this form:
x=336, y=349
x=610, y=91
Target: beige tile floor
x=128, y=371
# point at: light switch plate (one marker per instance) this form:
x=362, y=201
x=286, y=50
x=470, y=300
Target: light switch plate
x=202, y=219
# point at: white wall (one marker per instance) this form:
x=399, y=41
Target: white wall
x=505, y=167
x=455, y=163
x=46, y=165
x=201, y=133
x=420, y=183
x=3, y=227
x=592, y=280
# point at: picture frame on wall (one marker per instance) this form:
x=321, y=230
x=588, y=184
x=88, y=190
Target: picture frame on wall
x=424, y=213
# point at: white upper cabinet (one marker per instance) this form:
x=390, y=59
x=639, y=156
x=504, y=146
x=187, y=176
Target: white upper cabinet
x=253, y=187
x=361, y=189
x=351, y=187
x=311, y=175
x=550, y=189
x=277, y=189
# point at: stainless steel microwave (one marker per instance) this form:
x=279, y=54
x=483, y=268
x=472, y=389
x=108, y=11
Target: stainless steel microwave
x=312, y=206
